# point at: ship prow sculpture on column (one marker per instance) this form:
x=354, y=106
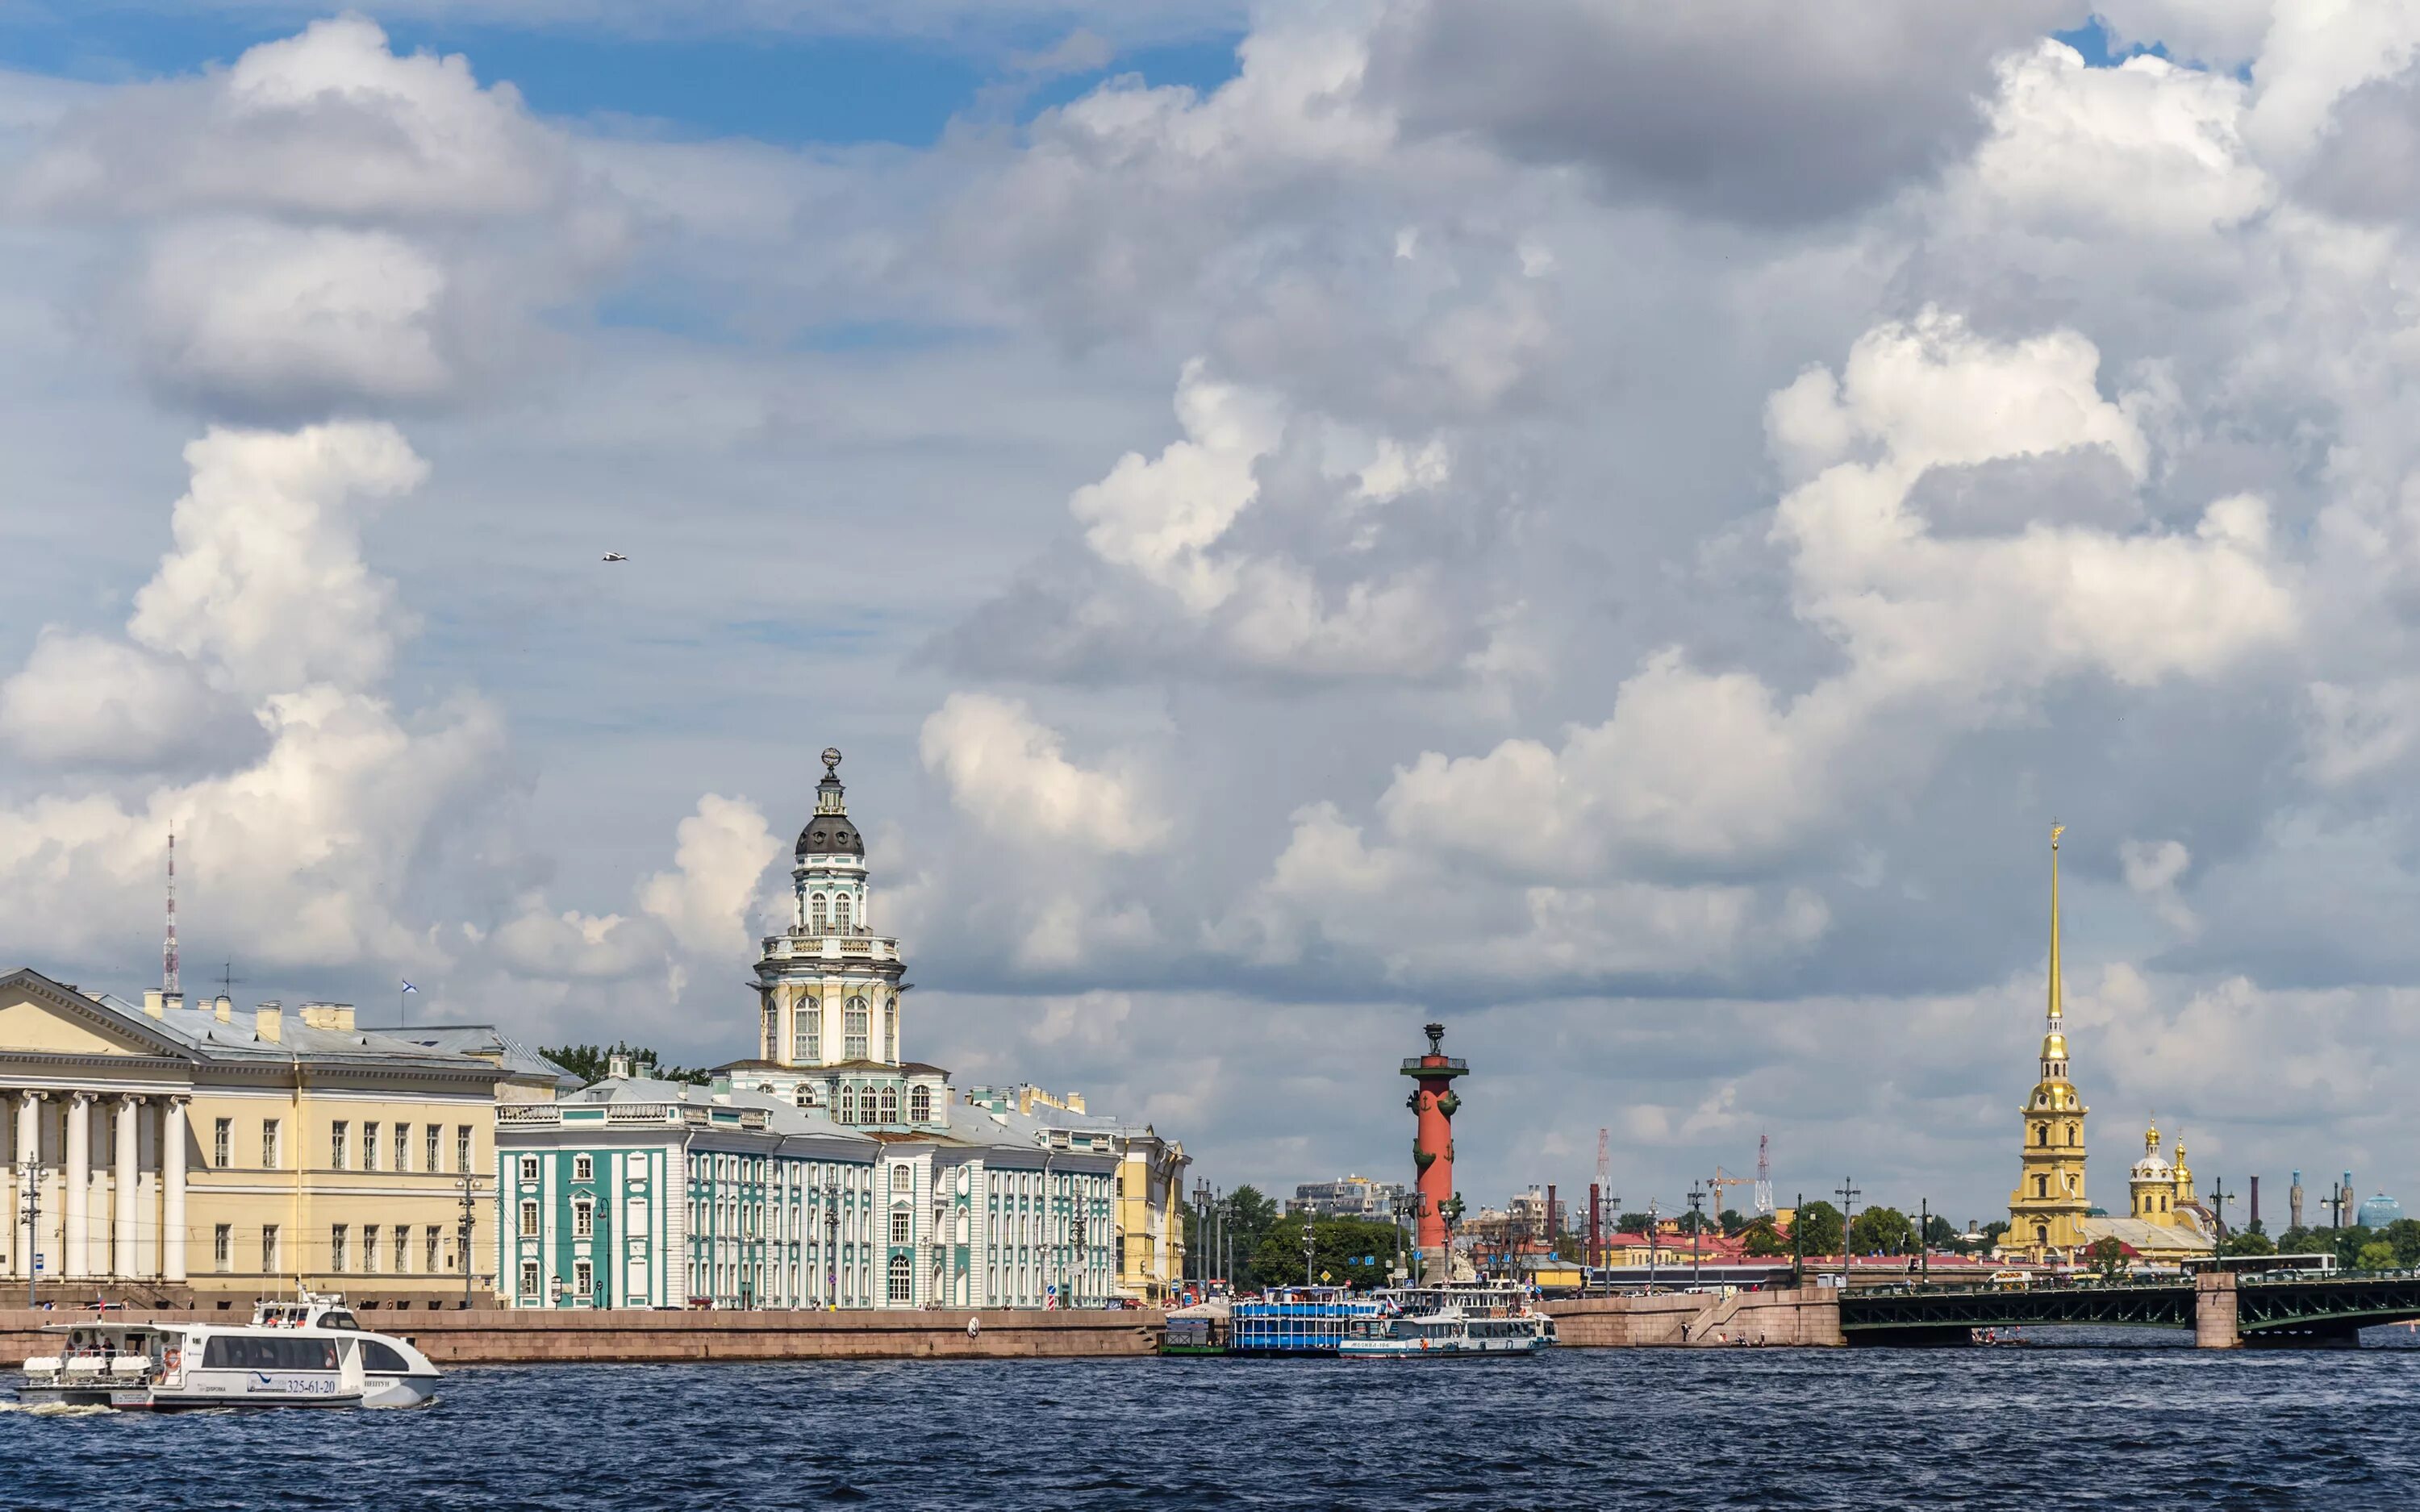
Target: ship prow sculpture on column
x=1434, y=1104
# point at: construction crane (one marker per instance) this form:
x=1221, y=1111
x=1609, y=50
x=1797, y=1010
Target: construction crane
x=1716, y=1185
x=1764, y=1173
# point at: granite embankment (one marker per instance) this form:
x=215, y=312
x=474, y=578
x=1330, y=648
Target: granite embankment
x=1805, y=1315
x=495, y=1335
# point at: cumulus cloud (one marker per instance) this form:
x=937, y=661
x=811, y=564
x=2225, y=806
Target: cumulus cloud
x=1006, y=769
x=721, y=852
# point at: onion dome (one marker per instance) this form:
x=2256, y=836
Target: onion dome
x=830, y=832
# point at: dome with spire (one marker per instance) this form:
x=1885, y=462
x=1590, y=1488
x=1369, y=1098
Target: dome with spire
x=830, y=832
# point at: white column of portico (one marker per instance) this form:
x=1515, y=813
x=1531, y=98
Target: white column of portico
x=124, y=1260
x=78, y=1182
x=29, y=1155
x=172, y=1182
x=8, y=1192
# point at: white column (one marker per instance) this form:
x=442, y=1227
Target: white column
x=77, y=1182
x=29, y=1154
x=124, y=1261
x=172, y=1188
x=15, y=1256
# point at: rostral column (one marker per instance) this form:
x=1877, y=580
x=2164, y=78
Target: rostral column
x=1434, y=1105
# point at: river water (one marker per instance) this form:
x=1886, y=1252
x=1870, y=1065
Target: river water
x=2124, y=1423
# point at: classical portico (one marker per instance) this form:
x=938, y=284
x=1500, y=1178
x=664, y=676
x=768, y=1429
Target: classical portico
x=106, y=1164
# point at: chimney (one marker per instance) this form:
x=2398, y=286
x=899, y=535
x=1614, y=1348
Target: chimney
x=618, y=1067
x=268, y=1022
x=152, y=1000
x=224, y=1010
x=2255, y=1204
x=173, y=999
x=1075, y=1102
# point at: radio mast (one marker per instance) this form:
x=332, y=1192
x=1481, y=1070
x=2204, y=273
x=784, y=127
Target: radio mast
x=169, y=946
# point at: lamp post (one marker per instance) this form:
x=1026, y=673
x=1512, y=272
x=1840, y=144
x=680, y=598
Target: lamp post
x=1798, y=1244
x=1696, y=1230
x=832, y=1244
x=1310, y=1243
x=1849, y=1194
x=1200, y=1263
x=1077, y=1296
x=29, y=1182
x=1654, y=1217
x=1923, y=1239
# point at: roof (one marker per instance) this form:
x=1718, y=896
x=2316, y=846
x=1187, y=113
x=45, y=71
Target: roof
x=783, y=1116
x=2144, y=1237
x=485, y=1041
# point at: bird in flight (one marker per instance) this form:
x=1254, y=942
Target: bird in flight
x=615, y=556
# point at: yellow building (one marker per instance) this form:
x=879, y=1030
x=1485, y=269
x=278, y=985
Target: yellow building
x=2047, y=1209
x=175, y=1149
x=2166, y=1223
x=1150, y=1184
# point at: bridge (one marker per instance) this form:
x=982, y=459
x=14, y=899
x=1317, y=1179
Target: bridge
x=2224, y=1311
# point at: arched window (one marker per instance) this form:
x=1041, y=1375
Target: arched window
x=849, y=1105
x=816, y=915
x=2041, y=1133
x=840, y=913
x=901, y=1282
x=919, y=1105
x=2041, y=1186
x=2076, y=1133
x=809, y=1038
x=890, y=1104
x=2042, y=1233
x=853, y=1029
x=804, y=1096
x=891, y=1030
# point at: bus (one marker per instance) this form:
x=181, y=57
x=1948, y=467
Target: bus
x=2298, y=1267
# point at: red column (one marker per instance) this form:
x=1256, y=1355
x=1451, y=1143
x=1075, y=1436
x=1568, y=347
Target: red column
x=1433, y=1105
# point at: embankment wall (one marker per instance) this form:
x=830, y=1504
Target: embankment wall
x=501, y=1337
x=1800, y=1316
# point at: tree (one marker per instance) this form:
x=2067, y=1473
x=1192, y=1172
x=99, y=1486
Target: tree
x=2347, y=1243
x=2404, y=1234
x=2108, y=1259
x=2378, y=1254
x=1940, y=1232
x=2247, y=1241
x=1883, y=1231
x=1692, y=1222
x=1249, y=1218
x=1993, y=1230
x=1630, y=1223
x=2301, y=1241
x=1733, y=1221
x=591, y=1062
x=1765, y=1240
x=1355, y=1252
x=1816, y=1228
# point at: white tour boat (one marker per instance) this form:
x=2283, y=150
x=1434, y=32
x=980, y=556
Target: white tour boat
x=307, y=1352
x=1455, y=1321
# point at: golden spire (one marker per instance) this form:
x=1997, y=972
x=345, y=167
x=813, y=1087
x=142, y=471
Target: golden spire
x=2056, y=1009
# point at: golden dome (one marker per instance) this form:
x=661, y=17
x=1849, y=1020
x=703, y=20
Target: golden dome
x=2053, y=1046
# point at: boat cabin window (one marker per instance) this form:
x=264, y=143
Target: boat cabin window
x=377, y=1357
x=337, y=1320
x=236, y=1351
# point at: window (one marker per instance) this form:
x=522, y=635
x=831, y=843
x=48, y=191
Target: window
x=584, y=1222
x=336, y=1133
x=369, y=1146
x=380, y=1360
x=853, y=1029
x=584, y=1167
x=402, y=1248
x=428, y=1160
x=429, y=1256
x=237, y=1351
x=584, y=1277
x=919, y=1105
x=810, y=1037
x=816, y=915
x=529, y=1168
x=269, y=1249
x=222, y=1144
x=891, y=1030
x=529, y=1278
x=529, y=1217
x=899, y=1226
x=2041, y=1133
x=2041, y=1186
x=370, y=1247
x=336, y=1248
x=462, y=1146
x=223, y=1244
x=2074, y=1133
x=849, y=1105
x=402, y=1150
x=268, y=1153
x=901, y=1283
x=2042, y=1233
x=890, y=1104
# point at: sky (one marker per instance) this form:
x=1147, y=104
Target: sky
x=1618, y=528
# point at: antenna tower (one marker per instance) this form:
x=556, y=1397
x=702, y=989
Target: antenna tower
x=169, y=946
x=1764, y=1173
x=1603, y=1161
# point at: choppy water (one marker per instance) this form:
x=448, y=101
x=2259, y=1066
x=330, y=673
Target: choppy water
x=2137, y=1425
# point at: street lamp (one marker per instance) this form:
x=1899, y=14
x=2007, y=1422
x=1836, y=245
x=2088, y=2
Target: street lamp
x=1654, y=1221
x=1077, y=1296
x=1310, y=1243
x=1208, y=1256
x=832, y=1244
x=1849, y=1194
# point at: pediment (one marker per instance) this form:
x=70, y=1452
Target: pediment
x=41, y=1017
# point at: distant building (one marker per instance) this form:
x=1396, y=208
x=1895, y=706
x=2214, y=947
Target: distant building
x=2165, y=1222
x=2380, y=1210
x=1347, y=1196
x=1150, y=1211
x=2048, y=1208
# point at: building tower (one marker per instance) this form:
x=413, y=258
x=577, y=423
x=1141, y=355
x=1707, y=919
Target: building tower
x=2151, y=1185
x=1432, y=1103
x=168, y=984
x=2048, y=1206
x=828, y=989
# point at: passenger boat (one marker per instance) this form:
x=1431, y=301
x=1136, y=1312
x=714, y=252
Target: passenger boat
x=304, y=1352
x=1299, y=1320
x=1455, y=1321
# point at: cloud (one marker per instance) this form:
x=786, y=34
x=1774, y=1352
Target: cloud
x=1005, y=769
x=721, y=854
x=1764, y=110
x=2153, y=871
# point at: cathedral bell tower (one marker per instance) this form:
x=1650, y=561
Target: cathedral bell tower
x=2046, y=1210
x=829, y=986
